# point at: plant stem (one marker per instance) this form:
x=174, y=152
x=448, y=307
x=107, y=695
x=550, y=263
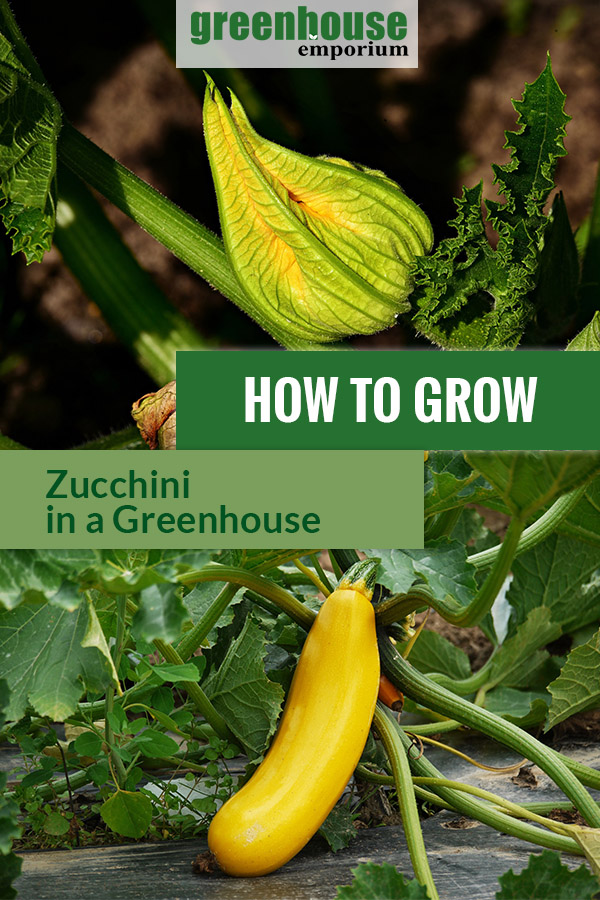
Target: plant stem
x=313, y=576
x=395, y=608
x=117, y=762
x=320, y=572
x=244, y=578
x=196, y=635
x=423, y=690
x=344, y=558
x=514, y=809
x=538, y=531
x=196, y=694
x=179, y=232
x=130, y=301
x=127, y=439
x=406, y=799
x=477, y=809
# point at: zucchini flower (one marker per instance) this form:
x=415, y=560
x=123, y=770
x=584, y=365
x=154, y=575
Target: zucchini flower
x=322, y=248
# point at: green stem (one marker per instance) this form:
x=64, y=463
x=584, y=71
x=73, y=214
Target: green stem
x=396, y=608
x=538, y=531
x=117, y=762
x=179, y=232
x=196, y=635
x=477, y=809
x=127, y=439
x=319, y=570
x=130, y=301
x=406, y=799
x=196, y=694
x=423, y=690
x=513, y=809
x=344, y=558
x=244, y=578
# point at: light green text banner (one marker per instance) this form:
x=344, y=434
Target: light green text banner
x=211, y=498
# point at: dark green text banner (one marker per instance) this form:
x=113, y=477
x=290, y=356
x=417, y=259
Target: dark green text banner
x=523, y=400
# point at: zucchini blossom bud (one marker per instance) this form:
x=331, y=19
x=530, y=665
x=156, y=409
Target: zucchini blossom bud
x=322, y=248
x=154, y=416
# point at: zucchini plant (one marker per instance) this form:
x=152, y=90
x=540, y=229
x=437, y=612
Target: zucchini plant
x=167, y=665
x=342, y=251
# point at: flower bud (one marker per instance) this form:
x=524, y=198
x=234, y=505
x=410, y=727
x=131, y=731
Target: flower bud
x=154, y=415
x=323, y=248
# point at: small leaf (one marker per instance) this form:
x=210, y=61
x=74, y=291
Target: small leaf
x=578, y=685
x=381, y=882
x=589, y=337
x=338, y=829
x=545, y=878
x=161, y=613
x=88, y=744
x=154, y=744
x=127, y=813
x=56, y=824
x=173, y=673
x=243, y=694
x=322, y=248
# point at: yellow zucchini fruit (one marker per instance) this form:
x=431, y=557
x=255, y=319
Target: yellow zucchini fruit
x=321, y=736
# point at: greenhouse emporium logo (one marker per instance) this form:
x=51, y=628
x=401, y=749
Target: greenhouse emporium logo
x=274, y=34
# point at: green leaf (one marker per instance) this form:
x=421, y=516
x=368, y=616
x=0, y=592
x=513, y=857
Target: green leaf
x=9, y=870
x=561, y=575
x=467, y=294
x=323, y=248
x=56, y=824
x=88, y=744
x=523, y=708
x=442, y=566
x=519, y=656
x=127, y=813
x=381, y=882
x=545, y=878
x=30, y=122
x=37, y=574
x=450, y=482
x=578, y=685
x=154, y=744
x=555, y=293
x=433, y=653
x=161, y=613
x=173, y=673
x=201, y=598
x=528, y=480
x=589, y=337
x=338, y=828
x=243, y=694
x=583, y=523
x=43, y=661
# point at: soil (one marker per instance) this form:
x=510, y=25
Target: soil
x=63, y=376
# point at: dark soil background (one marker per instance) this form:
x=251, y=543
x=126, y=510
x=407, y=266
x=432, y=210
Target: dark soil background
x=64, y=379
